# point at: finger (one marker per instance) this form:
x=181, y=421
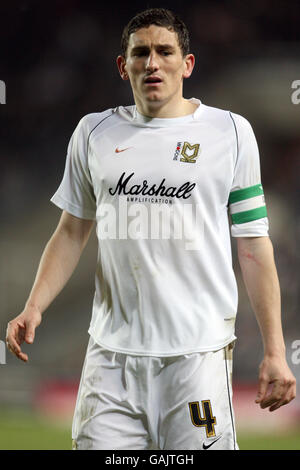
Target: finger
x=289, y=396
x=13, y=339
x=12, y=345
x=270, y=400
x=15, y=334
x=9, y=347
x=20, y=332
x=278, y=405
x=262, y=390
x=16, y=350
x=23, y=356
x=287, y=399
x=30, y=331
x=277, y=394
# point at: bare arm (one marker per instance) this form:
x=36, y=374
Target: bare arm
x=258, y=267
x=59, y=259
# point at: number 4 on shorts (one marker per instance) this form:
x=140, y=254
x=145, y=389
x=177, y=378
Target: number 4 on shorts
x=208, y=420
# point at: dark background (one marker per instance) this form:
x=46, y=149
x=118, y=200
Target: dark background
x=58, y=62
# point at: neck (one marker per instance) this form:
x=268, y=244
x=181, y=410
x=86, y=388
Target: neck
x=167, y=110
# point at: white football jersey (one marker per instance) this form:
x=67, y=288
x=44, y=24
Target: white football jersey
x=165, y=194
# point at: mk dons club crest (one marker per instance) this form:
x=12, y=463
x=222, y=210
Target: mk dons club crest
x=187, y=152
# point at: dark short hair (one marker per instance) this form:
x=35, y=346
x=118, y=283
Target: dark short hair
x=158, y=17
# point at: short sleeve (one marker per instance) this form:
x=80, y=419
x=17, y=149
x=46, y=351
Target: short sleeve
x=75, y=193
x=246, y=203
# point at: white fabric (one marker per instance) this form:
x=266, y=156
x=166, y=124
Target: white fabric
x=247, y=204
x=157, y=292
x=128, y=402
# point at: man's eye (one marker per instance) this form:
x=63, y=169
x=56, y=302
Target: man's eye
x=165, y=53
x=141, y=54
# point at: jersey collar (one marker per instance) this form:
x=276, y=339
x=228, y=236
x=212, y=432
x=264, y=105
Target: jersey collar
x=145, y=121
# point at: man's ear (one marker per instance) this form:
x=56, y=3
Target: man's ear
x=121, y=63
x=189, y=61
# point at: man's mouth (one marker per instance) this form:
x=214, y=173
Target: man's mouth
x=152, y=80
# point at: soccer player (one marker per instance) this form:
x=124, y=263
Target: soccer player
x=159, y=178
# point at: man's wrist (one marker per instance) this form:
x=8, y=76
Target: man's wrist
x=273, y=352
x=30, y=304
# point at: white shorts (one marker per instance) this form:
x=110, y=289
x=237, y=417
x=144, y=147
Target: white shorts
x=128, y=402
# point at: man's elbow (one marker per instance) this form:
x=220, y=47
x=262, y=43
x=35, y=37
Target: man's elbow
x=253, y=249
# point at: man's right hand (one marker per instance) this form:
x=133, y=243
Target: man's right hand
x=22, y=328
x=59, y=259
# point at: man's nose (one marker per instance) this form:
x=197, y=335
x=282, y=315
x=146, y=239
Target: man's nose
x=152, y=63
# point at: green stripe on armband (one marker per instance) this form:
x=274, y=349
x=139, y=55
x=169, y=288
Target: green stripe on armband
x=246, y=193
x=248, y=216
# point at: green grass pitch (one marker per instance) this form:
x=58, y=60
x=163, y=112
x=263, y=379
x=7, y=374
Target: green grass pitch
x=26, y=431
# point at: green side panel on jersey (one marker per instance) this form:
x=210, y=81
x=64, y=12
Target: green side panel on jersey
x=246, y=193
x=248, y=216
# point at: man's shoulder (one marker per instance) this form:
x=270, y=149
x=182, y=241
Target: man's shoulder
x=91, y=121
x=224, y=118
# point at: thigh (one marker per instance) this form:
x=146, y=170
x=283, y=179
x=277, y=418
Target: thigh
x=195, y=409
x=106, y=414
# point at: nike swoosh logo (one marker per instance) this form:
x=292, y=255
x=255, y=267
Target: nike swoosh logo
x=211, y=443
x=121, y=150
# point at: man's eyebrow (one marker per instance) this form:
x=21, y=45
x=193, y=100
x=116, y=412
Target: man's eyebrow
x=165, y=46
x=139, y=48
x=144, y=47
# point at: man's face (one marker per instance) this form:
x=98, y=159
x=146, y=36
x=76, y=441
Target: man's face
x=155, y=66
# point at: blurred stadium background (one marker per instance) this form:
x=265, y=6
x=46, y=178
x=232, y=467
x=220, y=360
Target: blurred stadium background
x=58, y=62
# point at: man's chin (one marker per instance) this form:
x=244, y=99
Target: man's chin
x=154, y=99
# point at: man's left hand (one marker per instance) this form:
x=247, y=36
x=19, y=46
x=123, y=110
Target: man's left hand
x=276, y=372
